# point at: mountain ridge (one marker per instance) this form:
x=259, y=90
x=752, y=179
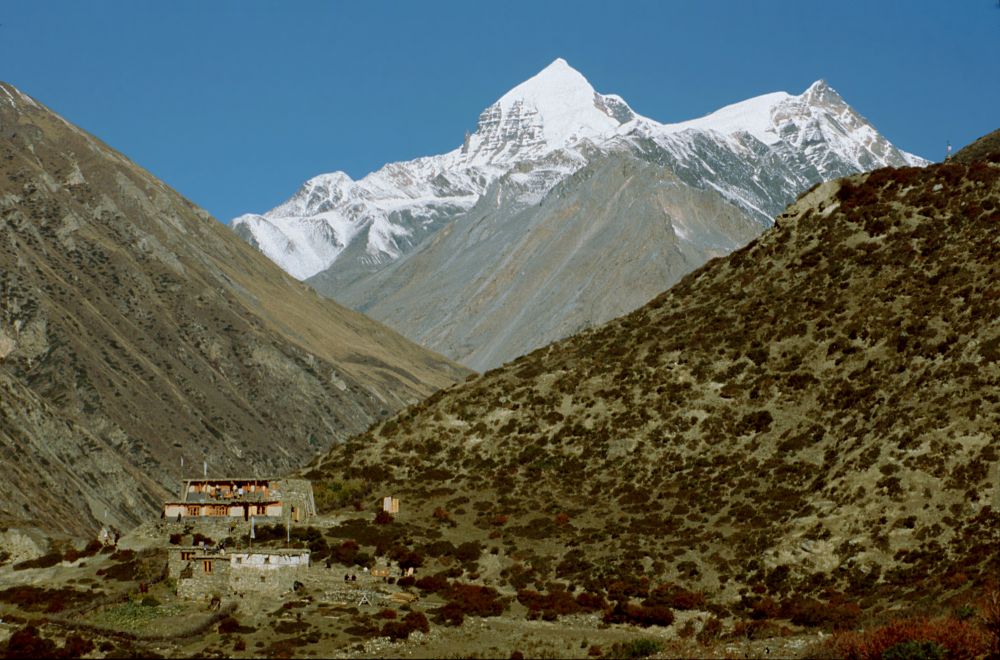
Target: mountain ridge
x=504, y=137
x=137, y=331
x=391, y=243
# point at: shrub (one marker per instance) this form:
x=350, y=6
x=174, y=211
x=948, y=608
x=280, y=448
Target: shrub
x=591, y=602
x=640, y=615
x=417, y=621
x=451, y=614
x=407, y=558
x=383, y=517
x=710, y=631
x=228, y=626
x=989, y=616
x=27, y=643
x=37, y=599
x=468, y=551
x=628, y=587
x=914, y=651
x=637, y=648
x=346, y=552
x=197, y=539
x=395, y=630
x=475, y=600
x=671, y=595
x=812, y=613
x=45, y=561
x=958, y=638
x=556, y=603
x=432, y=583
x=76, y=647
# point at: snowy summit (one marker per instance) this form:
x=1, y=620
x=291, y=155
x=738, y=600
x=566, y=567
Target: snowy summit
x=545, y=129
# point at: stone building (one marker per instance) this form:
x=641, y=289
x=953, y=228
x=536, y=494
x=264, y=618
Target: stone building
x=243, y=498
x=201, y=572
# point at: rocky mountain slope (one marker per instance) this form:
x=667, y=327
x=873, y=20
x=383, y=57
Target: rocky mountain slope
x=393, y=242
x=137, y=332
x=811, y=417
x=985, y=148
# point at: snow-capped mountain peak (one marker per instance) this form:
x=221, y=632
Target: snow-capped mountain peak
x=757, y=153
x=551, y=110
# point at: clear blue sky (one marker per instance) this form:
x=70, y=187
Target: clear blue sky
x=235, y=103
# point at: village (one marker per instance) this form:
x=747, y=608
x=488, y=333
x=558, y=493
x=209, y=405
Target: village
x=203, y=531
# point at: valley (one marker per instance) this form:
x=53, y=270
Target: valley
x=588, y=385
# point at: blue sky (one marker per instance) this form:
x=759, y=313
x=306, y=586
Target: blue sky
x=236, y=103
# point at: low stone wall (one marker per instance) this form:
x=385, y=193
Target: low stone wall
x=204, y=585
x=258, y=580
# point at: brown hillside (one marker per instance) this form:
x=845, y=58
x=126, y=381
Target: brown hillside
x=815, y=414
x=135, y=331
x=984, y=148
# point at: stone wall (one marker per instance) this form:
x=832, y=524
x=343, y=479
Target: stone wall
x=201, y=584
x=236, y=573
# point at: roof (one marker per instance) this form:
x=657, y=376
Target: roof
x=227, y=480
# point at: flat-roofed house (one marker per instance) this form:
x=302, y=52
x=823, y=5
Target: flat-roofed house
x=243, y=498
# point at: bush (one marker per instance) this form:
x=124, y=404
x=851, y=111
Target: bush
x=914, y=651
x=406, y=558
x=395, y=630
x=812, y=613
x=417, y=621
x=671, y=595
x=640, y=615
x=432, y=583
x=451, y=614
x=709, y=632
x=45, y=561
x=346, y=552
x=468, y=551
x=200, y=538
x=27, y=643
x=76, y=647
x=637, y=648
x=475, y=600
x=591, y=602
x=556, y=603
x=958, y=638
x=37, y=599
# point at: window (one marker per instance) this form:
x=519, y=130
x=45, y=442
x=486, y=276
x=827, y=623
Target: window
x=193, y=510
x=187, y=555
x=208, y=566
